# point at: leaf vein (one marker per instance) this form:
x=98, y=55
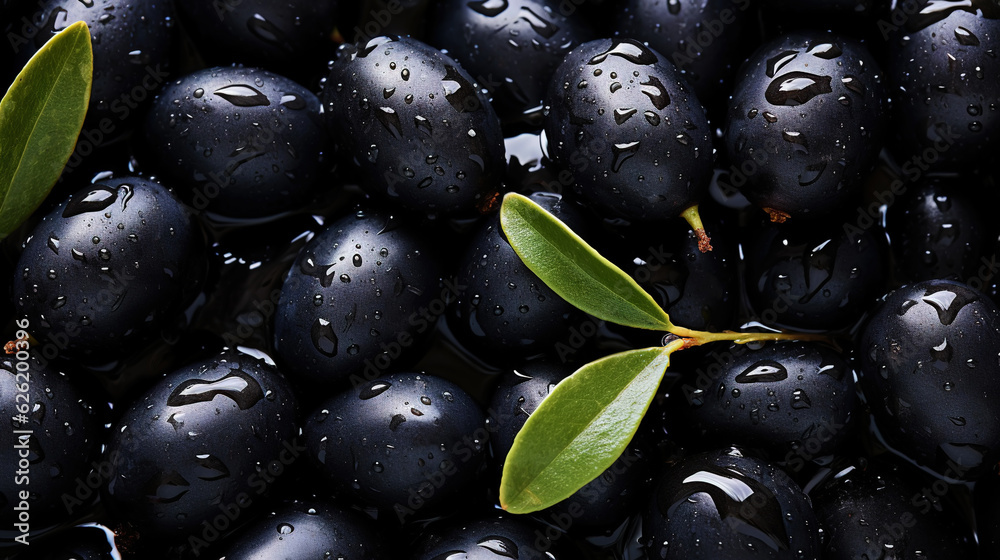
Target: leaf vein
x=640, y=306
x=635, y=379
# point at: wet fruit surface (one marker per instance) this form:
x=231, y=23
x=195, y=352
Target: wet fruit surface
x=944, y=74
x=241, y=142
x=351, y=305
x=504, y=309
x=89, y=278
x=258, y=32
x=698, y=290
x=132, y=52
x=510, y=48
x=58, y=437
x=737, y=506
x=820, y=275
x=629, y=129
x=86, y=542
x=938, y=230
x=794, y=399
x=208, y=439
x=308, y=530
x=424, y=135
x=808, y=116
x=491, y=538
x=928, y=362
x=404, y=444
x=700, y=38
x=875, y=512
x=313, y=339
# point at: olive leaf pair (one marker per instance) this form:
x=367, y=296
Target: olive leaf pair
x=40, y=119
x=588, y=419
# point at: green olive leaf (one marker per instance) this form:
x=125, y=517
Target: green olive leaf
x=40, y=119
x=574, y=270
x=581, y=428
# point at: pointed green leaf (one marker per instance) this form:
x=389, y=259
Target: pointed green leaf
x=574, y=270
x=40, y=120
x=581, y=428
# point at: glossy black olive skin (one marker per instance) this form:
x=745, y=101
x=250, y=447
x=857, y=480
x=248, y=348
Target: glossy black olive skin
x=108, y=268
x=928, y=362
x=209, y=439
x=605, y=501
x=132, y=42
x=698, y=290
x=356, y=301
x=488, y=538
x=875, y=512
x=504, y=310
x=252, y=264
x=83, y=542
x=243, y=142
x=303, y=529
x=50, y=462
x=627, y=127
x=938, y=230
x=510, y=48
x=424, y=135
x=721, y=504
x=943, y=73
x=807, y=120
x=700, y=38
x=405, y=444
x=280, y=36
x=520, y=392
x=794, y=399
x=814, y=275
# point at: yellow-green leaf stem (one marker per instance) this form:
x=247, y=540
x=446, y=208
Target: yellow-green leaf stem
x=693, y=217
x=697, y=338
x=586, y=422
